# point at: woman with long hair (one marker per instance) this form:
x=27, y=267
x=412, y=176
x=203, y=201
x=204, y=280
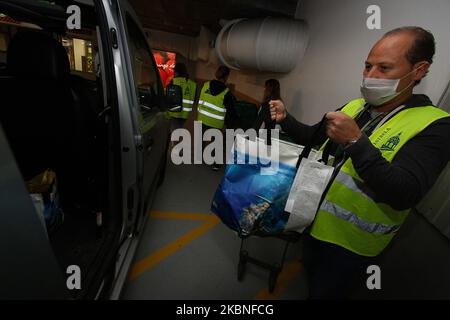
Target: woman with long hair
x=271, y=92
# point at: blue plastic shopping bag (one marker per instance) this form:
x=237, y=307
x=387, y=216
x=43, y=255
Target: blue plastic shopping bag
x=252, y=195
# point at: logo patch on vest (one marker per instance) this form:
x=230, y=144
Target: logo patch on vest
x=208, y=91
x=391, y=143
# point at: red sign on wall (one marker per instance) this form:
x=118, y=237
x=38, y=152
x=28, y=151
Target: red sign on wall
x=166, y=62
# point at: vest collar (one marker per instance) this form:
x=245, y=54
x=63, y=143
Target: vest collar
x=416, y=100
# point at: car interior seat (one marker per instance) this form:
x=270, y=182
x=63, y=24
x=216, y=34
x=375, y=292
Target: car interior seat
x=36, y=96
x=46, y=116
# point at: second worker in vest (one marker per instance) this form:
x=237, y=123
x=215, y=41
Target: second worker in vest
x=188, y=88
x=216, y=104
x=389, y=149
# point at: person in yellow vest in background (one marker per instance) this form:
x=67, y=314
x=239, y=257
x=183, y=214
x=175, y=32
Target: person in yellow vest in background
x=216, y=104
x=389, y=149
x=188, y=87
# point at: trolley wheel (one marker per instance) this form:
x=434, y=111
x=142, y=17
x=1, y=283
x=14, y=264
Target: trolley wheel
x=242, y=264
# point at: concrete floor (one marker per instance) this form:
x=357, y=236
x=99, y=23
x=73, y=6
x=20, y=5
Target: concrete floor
x=187, y=253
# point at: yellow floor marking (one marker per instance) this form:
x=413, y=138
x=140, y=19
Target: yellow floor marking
x=284, y=278
x=141, y=266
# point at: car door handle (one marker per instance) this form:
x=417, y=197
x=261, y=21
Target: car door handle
x=148, y=143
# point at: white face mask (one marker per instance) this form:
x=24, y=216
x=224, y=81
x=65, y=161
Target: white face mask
x=379, y=91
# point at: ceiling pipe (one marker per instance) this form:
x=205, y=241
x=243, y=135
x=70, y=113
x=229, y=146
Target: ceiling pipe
x=267, y=44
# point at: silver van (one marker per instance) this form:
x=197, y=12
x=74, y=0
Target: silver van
x=83, y=146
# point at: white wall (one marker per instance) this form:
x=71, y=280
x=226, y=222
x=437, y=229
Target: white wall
x=250, y=83
x=331, y=71
x=171, y=42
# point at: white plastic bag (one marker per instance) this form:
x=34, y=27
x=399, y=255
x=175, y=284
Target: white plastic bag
x=310, y=181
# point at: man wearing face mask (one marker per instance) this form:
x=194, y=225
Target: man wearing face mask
x=389, y=149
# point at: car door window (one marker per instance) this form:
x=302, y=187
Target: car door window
x=148, y=88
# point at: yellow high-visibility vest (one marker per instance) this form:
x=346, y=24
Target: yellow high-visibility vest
x=188, y=87
x=351, y=216
x=211, y=110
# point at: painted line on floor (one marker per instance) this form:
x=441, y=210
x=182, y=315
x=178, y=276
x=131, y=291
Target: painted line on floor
x=284, y=279
x=147, y=263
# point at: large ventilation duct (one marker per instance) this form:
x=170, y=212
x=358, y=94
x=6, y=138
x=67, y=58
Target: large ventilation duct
x=268, y=44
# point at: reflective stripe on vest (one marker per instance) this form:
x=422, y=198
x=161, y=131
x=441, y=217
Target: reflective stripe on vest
x=188, y=88
x=351, y=215
x=212, y=106
x=187, y=105
x=355, y=185
x=211, y=109
x=212, y=115
x=366, y=226
x=186, y=101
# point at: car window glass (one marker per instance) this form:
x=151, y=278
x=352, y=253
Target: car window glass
x=145, y=74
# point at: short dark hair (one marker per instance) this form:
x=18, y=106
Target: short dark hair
x=222, y=73
x=423, y=47
x=181, y=70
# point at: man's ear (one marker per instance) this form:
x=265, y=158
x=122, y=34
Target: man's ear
x=422, y=68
